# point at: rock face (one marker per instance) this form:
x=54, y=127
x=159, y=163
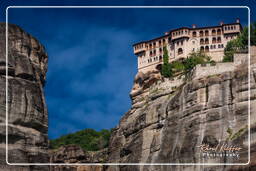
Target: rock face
x=169, y=124
x=27, y=112
x=75, y=154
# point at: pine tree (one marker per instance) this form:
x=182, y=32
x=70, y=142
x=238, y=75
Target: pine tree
x=166, y=68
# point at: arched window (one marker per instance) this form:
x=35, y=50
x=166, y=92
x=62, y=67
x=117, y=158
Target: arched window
x=180, y=51
x=159, y=42
x=160, y=50
x=150, y=53
x=218, y=32
x=213, y=32
x=214, y=40
x=201, y=33
x=150, y=45
x=222, y=46
x=228, y=27
x=218, y=40
x=206, y=48
x=206, y=41
x=201, y=41
x=160, y=57
x=219, y=46
x=211, y=46
x=202, y=49
x=206, y=33
x=194, y=34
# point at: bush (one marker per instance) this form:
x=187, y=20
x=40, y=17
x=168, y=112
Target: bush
x=88, y=139
x=241, y=42
x=194, y=59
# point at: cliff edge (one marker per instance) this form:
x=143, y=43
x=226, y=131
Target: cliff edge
x=27, y=112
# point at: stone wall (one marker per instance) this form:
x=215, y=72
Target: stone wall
x=201, y=71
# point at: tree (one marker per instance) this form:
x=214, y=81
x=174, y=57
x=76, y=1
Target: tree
x=196, y=58
x=241, y=42
x=166, y=68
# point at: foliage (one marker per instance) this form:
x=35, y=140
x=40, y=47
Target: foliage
x=88, y=139
x=177, y=66
x=166, y=68
x=195, y=58
x=241, y=42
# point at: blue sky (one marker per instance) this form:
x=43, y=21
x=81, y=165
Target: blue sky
x=91, y=61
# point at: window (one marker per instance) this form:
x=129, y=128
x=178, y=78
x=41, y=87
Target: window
x=160, y=50
x=150, y=54
x=181, y=42
x=214, y=40
x=193, y=42
x=206, y=33
x=193, y=49
x=201, y=33
x=201, y=41
x=218, y=32
x=219, y=46
x=206, y=48
x=206, y=41
x=202, y=49
x=211, y=46
x=214, y=46
x=218, y=40
x=178, y=43
x=160, y=57
x=222, y=46
x=194, y=34
x=213, y=32
x=180, y=51
x=159, y=42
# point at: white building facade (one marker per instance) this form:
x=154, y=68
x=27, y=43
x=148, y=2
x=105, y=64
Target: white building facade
x=183, y=41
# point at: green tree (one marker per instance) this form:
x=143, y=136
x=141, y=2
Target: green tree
x=88, y=139
x=166, y=68
x=241, y=42
x=196, y=58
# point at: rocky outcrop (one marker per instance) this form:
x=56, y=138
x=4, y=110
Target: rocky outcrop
x=27, y=112
x=75, y=154
x=169, y=124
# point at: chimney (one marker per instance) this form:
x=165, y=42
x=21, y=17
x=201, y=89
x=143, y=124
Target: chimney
x=221, y=23
x=193, y=26
x=237, y=20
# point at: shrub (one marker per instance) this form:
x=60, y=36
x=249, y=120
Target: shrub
x=166, y=68
x=88, y=139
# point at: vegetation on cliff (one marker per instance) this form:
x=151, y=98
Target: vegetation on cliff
x=240, y=43
x=166, y=68
x=88, y=139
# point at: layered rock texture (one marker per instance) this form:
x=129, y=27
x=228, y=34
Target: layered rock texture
x=168, y=124
x=75, y=154
x=27, y=112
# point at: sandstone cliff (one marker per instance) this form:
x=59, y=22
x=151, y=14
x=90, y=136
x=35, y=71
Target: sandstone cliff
x=27, y=114
x=167, y=123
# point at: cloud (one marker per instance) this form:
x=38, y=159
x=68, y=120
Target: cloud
x=89, y=82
